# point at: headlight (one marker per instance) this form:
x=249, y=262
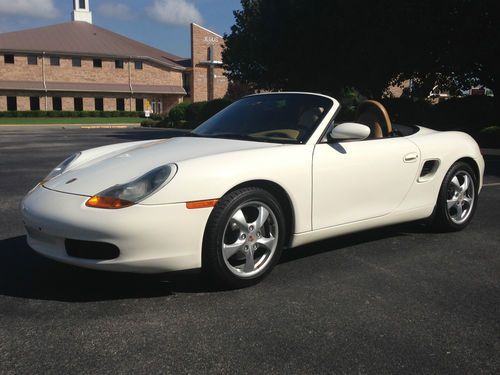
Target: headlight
x=121, y=196
x=61, y=167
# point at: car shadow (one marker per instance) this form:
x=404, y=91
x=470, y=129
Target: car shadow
x=26, y=274
x=353, y=239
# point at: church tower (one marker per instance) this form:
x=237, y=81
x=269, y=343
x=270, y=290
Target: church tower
x=81, y=11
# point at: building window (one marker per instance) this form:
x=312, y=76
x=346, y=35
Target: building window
x=119, y=64
x=97, y=63
x=55, y=61
x=77, y=62
x=35, y=103
x=210, y=53
x=32, y=60
x=11, y=103
x=56, y=103
x=138, y=65
x=186, y=82
x=99, y=104
x=78, y=104
x=120, y=104
x=139, y=105
x=82, y=4
x=8, y=59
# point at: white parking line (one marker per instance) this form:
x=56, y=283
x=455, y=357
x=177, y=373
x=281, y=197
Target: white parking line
x=492, y=184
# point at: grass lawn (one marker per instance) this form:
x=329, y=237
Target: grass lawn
x=68, y=120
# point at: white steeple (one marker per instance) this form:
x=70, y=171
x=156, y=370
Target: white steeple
x=81, y=11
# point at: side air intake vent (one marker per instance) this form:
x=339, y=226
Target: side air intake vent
x=428, y=170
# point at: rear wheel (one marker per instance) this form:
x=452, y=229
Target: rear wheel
x=244, y=237
x=457, y=198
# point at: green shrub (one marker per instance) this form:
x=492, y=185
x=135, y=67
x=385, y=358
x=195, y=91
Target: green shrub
x=71, y=114
x=39, y=114
x=211, y=108
x=148, y=123
x=471, y=113
x=193, y=112
x=190, y=115
x=178, y=113
x=158, y=116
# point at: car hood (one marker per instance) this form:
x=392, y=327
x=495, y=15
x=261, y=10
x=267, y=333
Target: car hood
x=99, y=169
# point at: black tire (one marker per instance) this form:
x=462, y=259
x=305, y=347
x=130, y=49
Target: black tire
x=444, y=219
x=218, y=229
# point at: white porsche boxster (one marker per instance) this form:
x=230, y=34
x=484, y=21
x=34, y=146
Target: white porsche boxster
x=269, y=172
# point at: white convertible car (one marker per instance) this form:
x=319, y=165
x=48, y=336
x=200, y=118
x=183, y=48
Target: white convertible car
x=269, y=172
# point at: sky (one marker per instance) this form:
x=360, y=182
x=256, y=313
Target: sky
x=160, y=23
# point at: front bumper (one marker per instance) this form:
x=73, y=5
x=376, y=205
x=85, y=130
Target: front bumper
x=151, y=238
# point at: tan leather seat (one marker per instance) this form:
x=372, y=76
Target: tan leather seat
x=371, y=120
x=374, y=115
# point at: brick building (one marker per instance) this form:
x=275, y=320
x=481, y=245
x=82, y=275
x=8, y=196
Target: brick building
x=78, y=66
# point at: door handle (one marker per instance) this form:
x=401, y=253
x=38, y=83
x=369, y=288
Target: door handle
x=411, y=157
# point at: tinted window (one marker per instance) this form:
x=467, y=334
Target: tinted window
x=139, y=105
x=99, y=104
x=120, y=104
x=138, y=65
x=76, y=61
x=57, y=103
x=97, y=63
x=8, y=59
x=35, y=103
x=78, y=104
x=82, y=4
x=282, y=118
x=54, y=61
x=11, y=103
x=32, y=60
x=119, y=64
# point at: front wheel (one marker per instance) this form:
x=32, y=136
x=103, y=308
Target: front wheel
x=457, y=198
x=244, y=237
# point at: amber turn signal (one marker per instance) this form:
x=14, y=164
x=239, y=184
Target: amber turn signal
x=201, y=204
x=107, y=202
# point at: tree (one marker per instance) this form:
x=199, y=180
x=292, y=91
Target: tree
x=326, y=45
x=457, y=41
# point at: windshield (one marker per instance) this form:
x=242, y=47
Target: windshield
x=281, y=118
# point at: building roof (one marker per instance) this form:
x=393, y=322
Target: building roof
x=91, y=87
x=85, y=39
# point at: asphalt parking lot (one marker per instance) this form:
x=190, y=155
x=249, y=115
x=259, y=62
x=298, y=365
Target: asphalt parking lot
x=392, y=300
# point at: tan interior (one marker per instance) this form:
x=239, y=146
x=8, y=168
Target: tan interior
x=374, y=115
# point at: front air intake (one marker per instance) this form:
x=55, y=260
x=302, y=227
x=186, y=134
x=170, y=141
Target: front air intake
x=91, y=250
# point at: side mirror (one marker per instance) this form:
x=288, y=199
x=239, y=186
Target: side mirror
x=350, y=131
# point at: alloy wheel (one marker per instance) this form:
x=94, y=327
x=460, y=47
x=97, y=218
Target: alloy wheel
x=460, y=197
x=250, y=239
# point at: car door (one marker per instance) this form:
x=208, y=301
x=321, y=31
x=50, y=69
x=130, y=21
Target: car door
x=359, y=180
